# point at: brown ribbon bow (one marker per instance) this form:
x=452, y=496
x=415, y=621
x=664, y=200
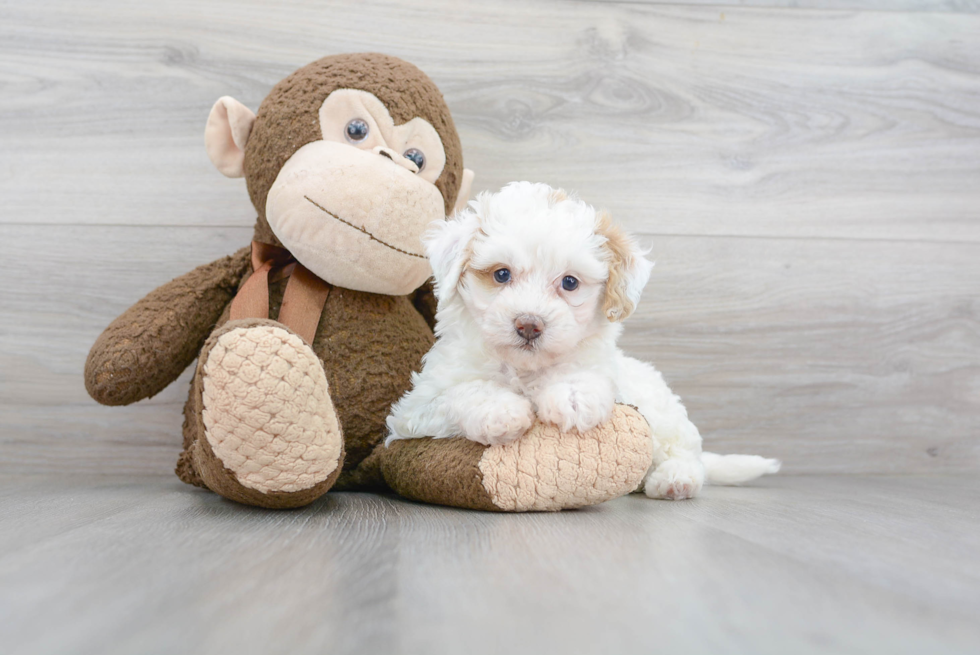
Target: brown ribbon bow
x=302, y=302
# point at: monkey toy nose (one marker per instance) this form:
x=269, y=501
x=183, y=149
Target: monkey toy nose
x=395, y=157
x=529, y=326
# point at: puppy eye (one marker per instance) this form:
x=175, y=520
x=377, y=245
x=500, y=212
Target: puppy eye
x=501, y=275
x=356, y=130
x=416, y=156
x=569, y=283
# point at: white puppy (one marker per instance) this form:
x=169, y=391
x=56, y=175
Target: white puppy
x=532, y=286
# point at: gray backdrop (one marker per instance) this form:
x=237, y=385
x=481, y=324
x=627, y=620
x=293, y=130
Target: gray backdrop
x=807, y=174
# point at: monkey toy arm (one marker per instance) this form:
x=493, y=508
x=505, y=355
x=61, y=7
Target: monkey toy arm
x=544, y=470
x=152, y=342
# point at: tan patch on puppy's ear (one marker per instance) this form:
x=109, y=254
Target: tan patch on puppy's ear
x=467, y=256
x=616, y=306
x=557, y=196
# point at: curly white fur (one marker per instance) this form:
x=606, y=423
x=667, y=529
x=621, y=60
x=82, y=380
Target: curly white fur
x=515, y=345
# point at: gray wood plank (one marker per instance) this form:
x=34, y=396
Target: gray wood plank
x=836, y=356
x=952, y=6
x=693, y=120
x=862, y=356
x=792, y=565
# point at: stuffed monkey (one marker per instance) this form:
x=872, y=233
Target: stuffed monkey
x=307, y=337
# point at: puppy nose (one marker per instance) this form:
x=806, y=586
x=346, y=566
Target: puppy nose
x=395, y=157
x=529, y=326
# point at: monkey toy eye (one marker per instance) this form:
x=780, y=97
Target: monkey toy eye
x=569, y=283
x=501, y=275
x=356, y=130
x=416, y=156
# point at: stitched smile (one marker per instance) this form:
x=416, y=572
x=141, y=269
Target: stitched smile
x=361, y=229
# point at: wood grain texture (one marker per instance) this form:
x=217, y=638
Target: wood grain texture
x=754, y=122
x=927, y=6
x=793, y=565
x=862, y=356
x=806, y=178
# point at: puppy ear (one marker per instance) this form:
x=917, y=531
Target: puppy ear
x=629, y=270
x=447, y=244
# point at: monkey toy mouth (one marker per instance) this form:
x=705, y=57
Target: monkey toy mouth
x=361, y=229
x=354, y=218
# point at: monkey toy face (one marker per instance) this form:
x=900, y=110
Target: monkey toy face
x=347, y=162
x=351, y=206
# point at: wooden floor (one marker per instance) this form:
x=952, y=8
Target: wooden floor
x=794, y=565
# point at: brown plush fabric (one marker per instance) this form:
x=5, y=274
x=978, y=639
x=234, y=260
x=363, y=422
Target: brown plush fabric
x=366, y=476
x=424, y=300
x=283, y=123
x=152, y=342
x=222, y=481
x=438, y=471
x=369, y=344
x=199, y=466
x=192, y=417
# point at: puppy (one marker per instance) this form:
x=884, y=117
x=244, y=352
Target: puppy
x=532, y=288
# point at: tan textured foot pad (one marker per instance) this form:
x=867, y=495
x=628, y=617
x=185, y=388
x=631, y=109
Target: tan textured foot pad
x=267, y=413
x=547, y=470
x=544, y=470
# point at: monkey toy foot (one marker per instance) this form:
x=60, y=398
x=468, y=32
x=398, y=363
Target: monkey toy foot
x=543, y=470
x=263, y=427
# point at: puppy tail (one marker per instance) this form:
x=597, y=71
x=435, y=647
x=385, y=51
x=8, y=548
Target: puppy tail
x=736, y=469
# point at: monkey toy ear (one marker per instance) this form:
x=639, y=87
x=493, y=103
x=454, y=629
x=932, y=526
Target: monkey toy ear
x=226, y=134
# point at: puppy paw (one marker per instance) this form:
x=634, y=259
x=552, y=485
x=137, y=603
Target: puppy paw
x=571, y=406
x=499, y=419
x=675, y=479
